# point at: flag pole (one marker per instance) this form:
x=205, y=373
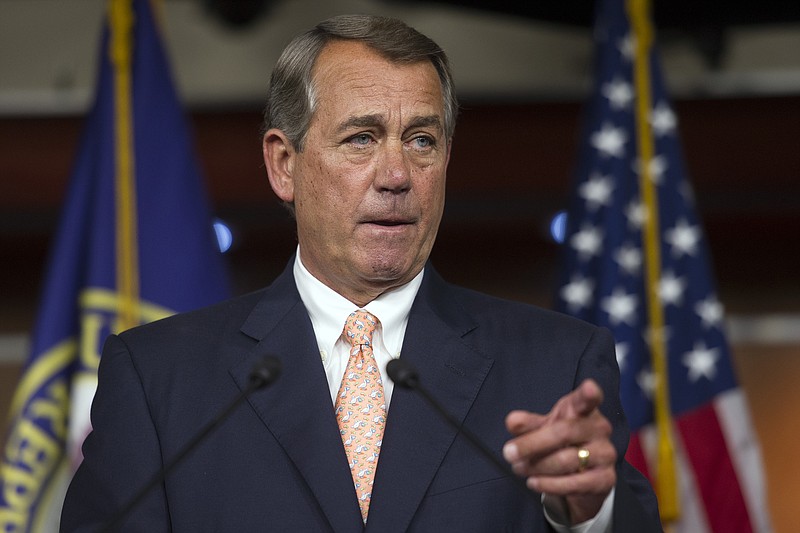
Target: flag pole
x=121, y=24
x=666, y=480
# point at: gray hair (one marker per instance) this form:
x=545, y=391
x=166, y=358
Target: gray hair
x=291, y=98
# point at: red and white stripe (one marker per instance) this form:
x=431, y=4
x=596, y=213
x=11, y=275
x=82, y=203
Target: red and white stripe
x=721, y=483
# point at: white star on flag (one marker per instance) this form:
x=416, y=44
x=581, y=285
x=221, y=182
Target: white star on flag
x=710, y=311
x=646, y=379
x=657, y=167
x=701, y=361
x=629, y=258
x=683, y=238
x=587, y=242
x=578, y=292
x=610, y=141
x=627, y=47
x=636, y=213
x=671, y=288
x=621, y=307
x=596, y=191
x=663, y=120
x=661, y=335
x=639, y=243
x=619, y=93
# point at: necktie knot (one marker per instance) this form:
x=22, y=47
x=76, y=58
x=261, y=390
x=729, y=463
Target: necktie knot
x=359, y=327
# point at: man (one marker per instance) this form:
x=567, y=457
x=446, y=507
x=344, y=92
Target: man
x=359, y=126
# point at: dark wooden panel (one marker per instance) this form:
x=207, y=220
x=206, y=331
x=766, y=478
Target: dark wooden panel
x=510, y=171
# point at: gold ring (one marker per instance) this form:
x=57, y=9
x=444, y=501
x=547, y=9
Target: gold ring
x=583, y=459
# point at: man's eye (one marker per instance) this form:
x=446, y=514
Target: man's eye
x=361, y=139
x=422, y=142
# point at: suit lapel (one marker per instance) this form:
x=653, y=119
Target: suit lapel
x=454, y=372
x=297, y=408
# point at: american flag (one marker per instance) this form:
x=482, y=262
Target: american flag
x=635, y=261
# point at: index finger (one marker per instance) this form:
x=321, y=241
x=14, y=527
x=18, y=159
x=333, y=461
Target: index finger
x=519, y=422
x=580, y=402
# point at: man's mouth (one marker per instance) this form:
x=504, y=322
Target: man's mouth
x=390, y=221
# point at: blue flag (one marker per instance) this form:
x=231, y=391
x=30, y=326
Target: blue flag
x=135, y=243
x=636, y=262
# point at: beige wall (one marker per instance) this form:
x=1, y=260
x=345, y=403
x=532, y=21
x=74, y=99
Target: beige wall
x=492, y=54
x=770, y=376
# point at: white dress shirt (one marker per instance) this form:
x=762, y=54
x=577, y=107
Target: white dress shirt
x=329, y=310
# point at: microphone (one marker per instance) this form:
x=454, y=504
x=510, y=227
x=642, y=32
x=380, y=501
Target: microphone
x=406, y=376
x=264, y=373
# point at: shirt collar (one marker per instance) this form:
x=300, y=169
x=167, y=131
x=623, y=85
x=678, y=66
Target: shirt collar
x=328, y=309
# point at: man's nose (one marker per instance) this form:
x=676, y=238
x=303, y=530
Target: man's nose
x=394, y=170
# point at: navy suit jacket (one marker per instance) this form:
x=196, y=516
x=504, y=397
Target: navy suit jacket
x=278, y=464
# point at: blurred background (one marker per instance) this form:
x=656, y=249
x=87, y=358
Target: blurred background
x=523, y=70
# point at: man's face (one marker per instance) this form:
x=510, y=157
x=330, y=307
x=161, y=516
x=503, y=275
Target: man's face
x=369, y=186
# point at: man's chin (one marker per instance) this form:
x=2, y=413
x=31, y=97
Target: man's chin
x=391, y=268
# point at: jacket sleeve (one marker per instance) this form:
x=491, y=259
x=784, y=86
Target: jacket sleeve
x=120, y=455
x=635, y=505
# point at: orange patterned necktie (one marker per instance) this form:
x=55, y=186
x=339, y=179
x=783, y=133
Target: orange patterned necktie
x=360, y=406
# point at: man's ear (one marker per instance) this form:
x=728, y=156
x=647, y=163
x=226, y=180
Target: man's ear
x=449, y=149
x=279, y=159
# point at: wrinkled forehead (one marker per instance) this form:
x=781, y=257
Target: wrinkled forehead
x=343, y=62
x=389, y=102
